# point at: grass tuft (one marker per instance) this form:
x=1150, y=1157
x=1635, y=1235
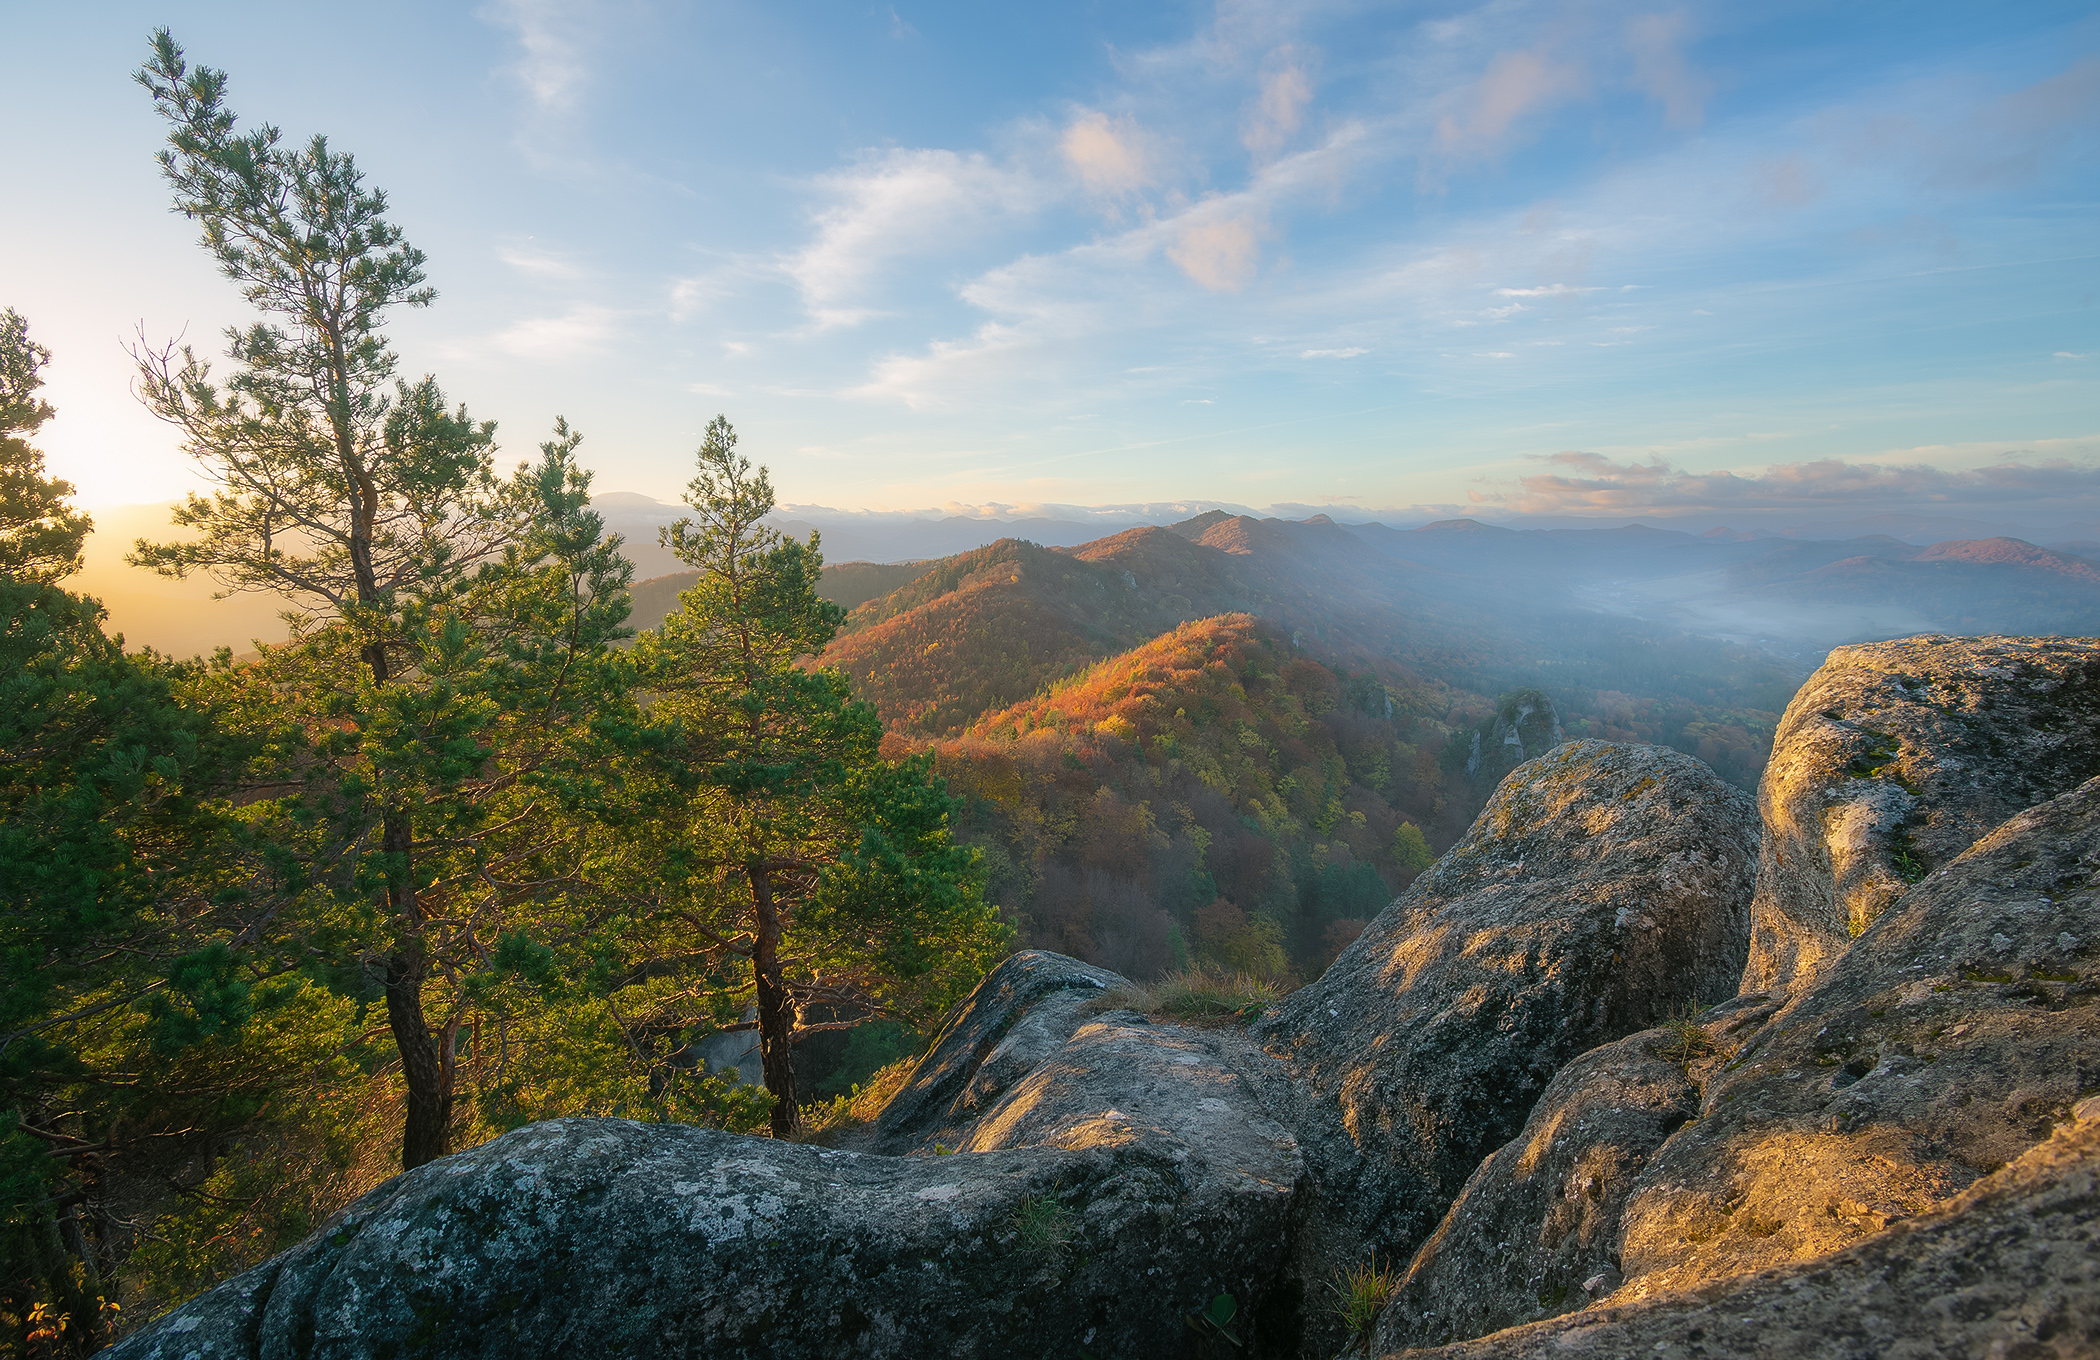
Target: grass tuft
x=1360, y=1294
x=1044, y=1228
x=1201, y=997
x=824, y=1120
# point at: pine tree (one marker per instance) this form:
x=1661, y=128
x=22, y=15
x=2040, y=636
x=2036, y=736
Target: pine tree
x=452, y=662
x=818, y=870
x=40, y=534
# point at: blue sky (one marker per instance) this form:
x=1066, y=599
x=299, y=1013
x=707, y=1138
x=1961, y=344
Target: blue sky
x=1508, y=257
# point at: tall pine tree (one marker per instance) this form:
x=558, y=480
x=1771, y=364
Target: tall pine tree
x=819, y=873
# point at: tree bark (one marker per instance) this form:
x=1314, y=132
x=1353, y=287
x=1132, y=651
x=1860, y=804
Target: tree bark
x=776, y=1012
x=426, y=1059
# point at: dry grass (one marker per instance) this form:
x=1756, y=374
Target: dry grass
x=1199, y=997
x=826, y=1121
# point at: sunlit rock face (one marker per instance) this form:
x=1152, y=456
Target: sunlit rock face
x=2009, y=1268
x=1115, y=1186
x=1951, y=1037
x=1893, y=759
x=1535, y=1231
x=1602, y=887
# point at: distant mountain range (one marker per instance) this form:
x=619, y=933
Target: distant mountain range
x=1788, y=590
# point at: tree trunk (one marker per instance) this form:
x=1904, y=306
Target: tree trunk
x=426, y=1060
x=776, y=1014
x=424, y=1065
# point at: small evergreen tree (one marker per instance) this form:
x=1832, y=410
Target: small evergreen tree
x=815, y=871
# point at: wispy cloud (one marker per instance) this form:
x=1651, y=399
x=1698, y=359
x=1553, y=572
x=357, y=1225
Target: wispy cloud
x=1350, y=353
x=1220, y=249
x=1483, y=117
x=1661, y=70
x=1286, y=88
x=553, y=37
x=1108, y=154
x=581, y=330
x=537, y=262
x=896, y=205
x=1591, y=483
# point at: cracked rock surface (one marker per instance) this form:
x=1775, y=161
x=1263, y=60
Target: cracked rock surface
x=1535, y=1232
x=1603, y=886
x=1892, y=759
x=2009, y=1268
x=1948, y=1040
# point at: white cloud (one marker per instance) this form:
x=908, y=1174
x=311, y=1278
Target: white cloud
x=552, y=37
x=1661, y=71
x=1219, y=250
x=2066, y=354
x=1483, y=116
x=1575, y=482
x=896, y=205
x=1349, y=353
x=1279, y=109
x=580, y=330
x=1547, y=290
x=1108, y=154
x=540, y=263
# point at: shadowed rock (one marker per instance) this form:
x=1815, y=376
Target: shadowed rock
x=1946, y=1042
x=1894, y=758
x=1115, y=1190
x=1535, y=1232
x=1602, y=886
x=2010, y=1268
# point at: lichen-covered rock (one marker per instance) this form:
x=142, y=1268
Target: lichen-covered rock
x=1021, y=1014
x=1602, y=887
x=1107, y=1198
x=1535, y=1232
x=2011, y=1268
x=1947, y=1041
x=1894, y=758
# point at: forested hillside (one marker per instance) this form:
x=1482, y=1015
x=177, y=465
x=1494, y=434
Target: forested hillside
x=1212, y=796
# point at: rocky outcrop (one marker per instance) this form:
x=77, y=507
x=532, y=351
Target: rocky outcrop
x=1602, y=886
x=1947, y=1041
x=1892, y=760
x=1022, y=1013
x=1108, y=1200
x=1535, y=1232
x=2009, y=1268
x=1525, y=726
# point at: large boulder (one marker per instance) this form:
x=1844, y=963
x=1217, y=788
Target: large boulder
x=1021, y=1014
x=1105, y=1203
x=1947, y=1041
x=1602, y=888
x=1535, y=1232
x=1894, y=758
x=2010, y=1268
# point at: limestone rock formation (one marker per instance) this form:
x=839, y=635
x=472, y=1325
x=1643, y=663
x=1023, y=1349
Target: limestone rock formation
x=1947, y=1041
x=1602, y=886
x=1108, y=1198
x=1894, y=758
x=2009, y=1268
x=1535, y=1232
x=1525, y=726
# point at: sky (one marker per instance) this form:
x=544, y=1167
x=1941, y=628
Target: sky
x=1506, y=259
